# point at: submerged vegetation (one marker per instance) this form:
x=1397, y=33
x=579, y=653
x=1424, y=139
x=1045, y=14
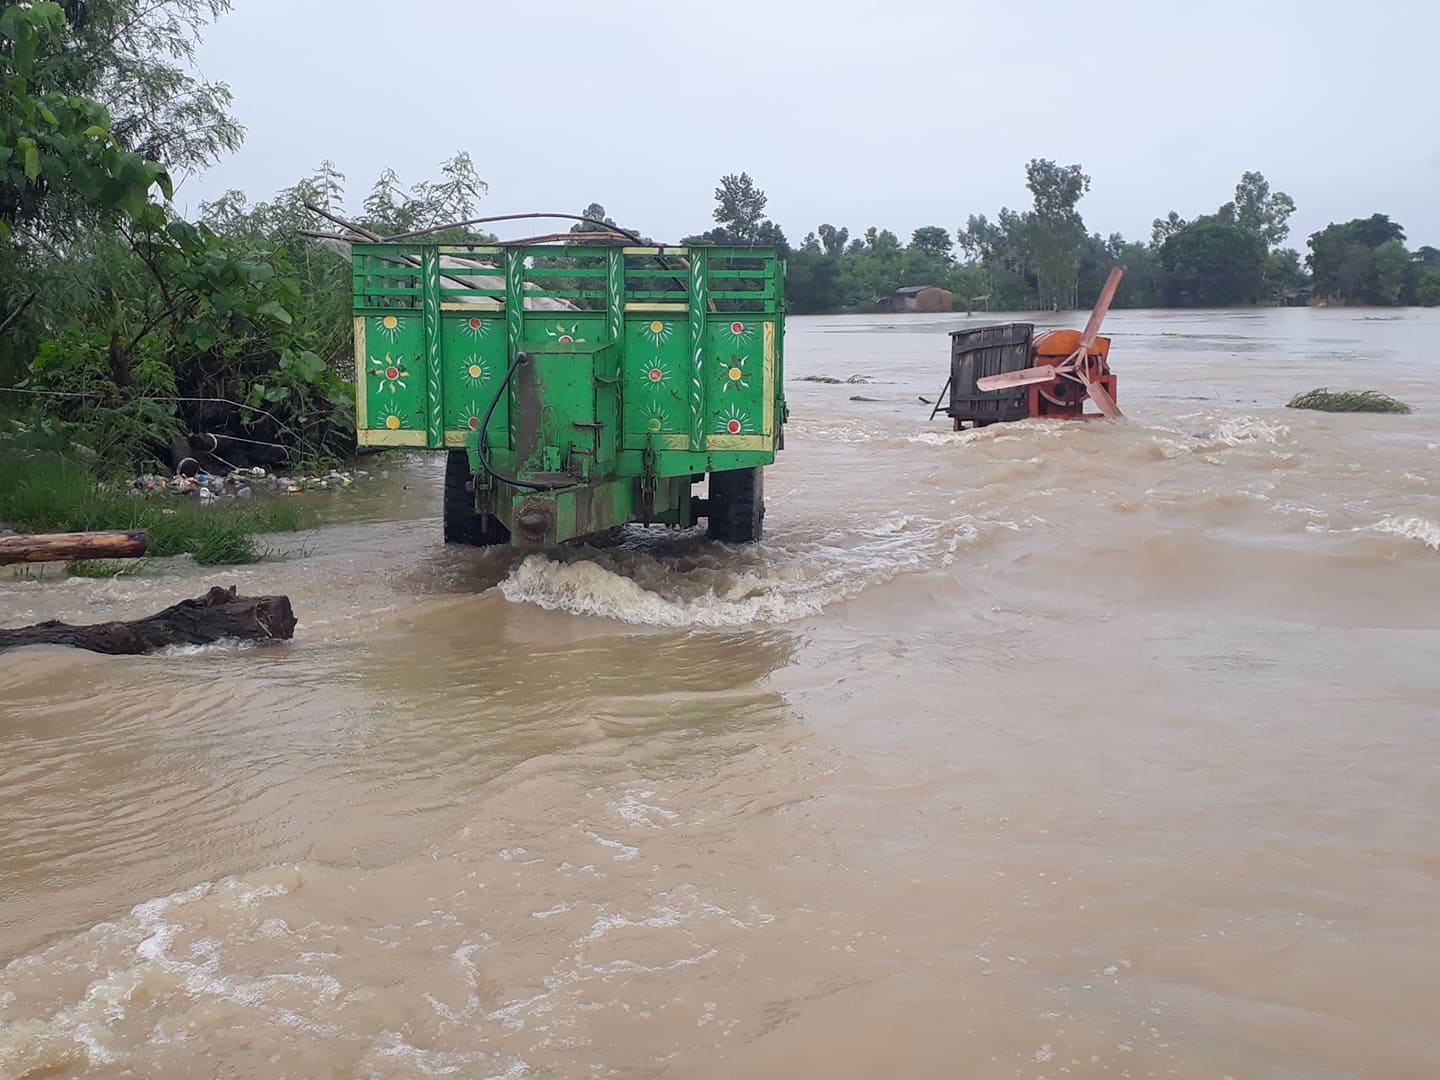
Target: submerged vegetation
x=1326, y=400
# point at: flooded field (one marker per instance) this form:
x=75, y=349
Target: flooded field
x=1041, y=751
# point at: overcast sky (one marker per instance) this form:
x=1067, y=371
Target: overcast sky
x=894, y=114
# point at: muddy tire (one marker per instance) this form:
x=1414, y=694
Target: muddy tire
x=737, y=505
x=463, y=524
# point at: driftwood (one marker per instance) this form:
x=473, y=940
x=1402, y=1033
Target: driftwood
x=58, y=547
x=219, y=614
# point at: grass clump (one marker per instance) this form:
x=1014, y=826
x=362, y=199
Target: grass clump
x=104, y=568
x=51, y=491
x=1326, y=400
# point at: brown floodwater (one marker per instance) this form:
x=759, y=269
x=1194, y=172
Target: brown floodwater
x=1048, y=750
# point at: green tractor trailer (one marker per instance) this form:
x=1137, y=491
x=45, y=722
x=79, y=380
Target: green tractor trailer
x=576, y=387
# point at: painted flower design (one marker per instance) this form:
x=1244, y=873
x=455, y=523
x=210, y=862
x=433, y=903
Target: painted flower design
x=391, y=372
x=390, y=326
x=564, y=335
x=733, y=373
x=740, y=333
x=476, y=328
x=657, y=331
x=734, y=421
x=391, y=419
x=655, y=418
x=656, y=373
x=475, y=371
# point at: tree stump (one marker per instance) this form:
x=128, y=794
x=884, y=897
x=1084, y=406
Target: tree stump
x=218, y=615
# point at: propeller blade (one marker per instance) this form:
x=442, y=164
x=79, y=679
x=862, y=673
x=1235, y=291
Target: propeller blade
x=1098, y=394
x=1104, y=402
x=1107, y=294
x=1023, y=377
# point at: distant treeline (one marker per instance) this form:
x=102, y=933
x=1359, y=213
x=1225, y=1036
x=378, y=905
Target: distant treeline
x=126, y=327
x=1045, y=258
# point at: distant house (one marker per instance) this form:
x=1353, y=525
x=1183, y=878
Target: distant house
x=920, y=298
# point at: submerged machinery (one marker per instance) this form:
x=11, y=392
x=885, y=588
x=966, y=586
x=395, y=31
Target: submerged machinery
x=1011, y=372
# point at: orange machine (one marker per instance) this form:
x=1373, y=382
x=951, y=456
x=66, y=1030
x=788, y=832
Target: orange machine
x=1009, y=372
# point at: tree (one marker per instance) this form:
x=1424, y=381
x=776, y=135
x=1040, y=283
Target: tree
x=391, y=208
x=1342, y=259
x=979, y=239
x=596, y=220
x=59, y=161
x=933, y=241
x=329, y=187
x=1392, y=272
x=1256, y=209
x=834, y=240
x=740, y=209
x=1283, y=273
x=1213, y=262
x=138, y=58
x=1056, y=188
x=883, y=243
x=1057, y=232
x=768, y=234
x=1161, y=229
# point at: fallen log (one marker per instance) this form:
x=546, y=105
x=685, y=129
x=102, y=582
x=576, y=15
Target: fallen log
x=58, y=547
x=219, y=614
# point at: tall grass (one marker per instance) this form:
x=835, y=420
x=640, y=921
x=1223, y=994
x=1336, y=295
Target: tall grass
x=1326, y=400
x=51, y=491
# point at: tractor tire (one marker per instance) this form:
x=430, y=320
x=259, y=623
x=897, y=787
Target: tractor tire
x=737, y=505
x=463, y=524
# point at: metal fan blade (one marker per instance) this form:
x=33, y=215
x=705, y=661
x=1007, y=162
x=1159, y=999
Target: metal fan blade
x=1103, y=401
x=1098, y=393
x=1107, y=294
x=1023, y=377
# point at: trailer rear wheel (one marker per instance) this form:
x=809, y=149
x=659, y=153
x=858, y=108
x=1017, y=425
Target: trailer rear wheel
x=737, y=505
x=463, y=524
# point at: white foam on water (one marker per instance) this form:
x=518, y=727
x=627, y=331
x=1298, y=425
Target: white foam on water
x=1220, y=433
x=627, y=851
x=1411, y=528
x=713, y=585
x=1015, y=431
x=223, y=645
x=84, y=1031
x=838, y=431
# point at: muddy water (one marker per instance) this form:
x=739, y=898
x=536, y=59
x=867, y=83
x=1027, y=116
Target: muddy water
x=1090, y=750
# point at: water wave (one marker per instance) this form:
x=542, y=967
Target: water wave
x=712, y=585
x=1412, y=528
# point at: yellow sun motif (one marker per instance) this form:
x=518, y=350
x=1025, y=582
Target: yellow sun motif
x=657, y=332
x=476, y=371
x=391, y=419
x=390, y=326
x=733, y=373
x=391, y=372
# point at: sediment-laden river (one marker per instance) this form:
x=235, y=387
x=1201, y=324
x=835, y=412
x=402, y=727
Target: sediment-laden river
x=1047, y=750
